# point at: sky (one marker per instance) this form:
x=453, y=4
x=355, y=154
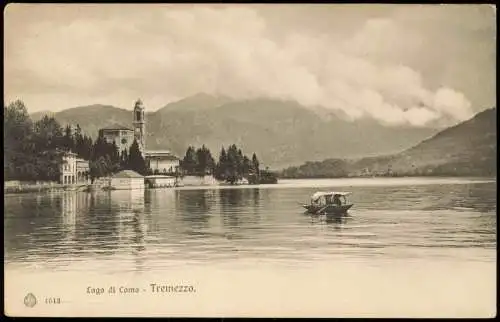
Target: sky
x=403, y=65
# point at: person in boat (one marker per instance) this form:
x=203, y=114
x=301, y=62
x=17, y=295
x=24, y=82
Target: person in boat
x=337, y=201
x=315, y=202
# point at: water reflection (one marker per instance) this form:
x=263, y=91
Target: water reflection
x=239, y=208
x=234, y=198
x=154, y=226
x=159, y=205
x=195, y=207
x=71, y=205
x=131, y=217
x=336, y=222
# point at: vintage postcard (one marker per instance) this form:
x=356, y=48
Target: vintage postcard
x=260, y=160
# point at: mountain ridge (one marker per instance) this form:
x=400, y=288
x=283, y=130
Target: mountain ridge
x=282, y=133
x=465, y=149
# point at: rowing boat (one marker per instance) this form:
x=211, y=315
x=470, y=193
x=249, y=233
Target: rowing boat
x=328, y=203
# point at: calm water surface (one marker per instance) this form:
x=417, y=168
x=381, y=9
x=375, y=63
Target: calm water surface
x=392, y=220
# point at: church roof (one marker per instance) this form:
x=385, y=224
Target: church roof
x=116, y=127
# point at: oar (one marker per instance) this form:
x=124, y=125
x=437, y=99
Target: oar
x=321, y=210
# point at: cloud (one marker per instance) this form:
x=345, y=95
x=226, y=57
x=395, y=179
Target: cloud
x=169, y=53
x=452, y=103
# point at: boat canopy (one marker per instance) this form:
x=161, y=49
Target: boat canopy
x=320, y=194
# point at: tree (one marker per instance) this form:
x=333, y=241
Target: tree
x=232, y=171
x=239, y=162
x=17, y=125
x=114, y=157
x=190, y=161
x=48, y=134
x=86, y=148
x=98, y=168
x=220, y=167
x=124, y=159
x=18, y=143
x=99, y=148
x=255, y=164
x=205, y=161
x=31, y=150
x=48, y=139
x=136, y=161
x=246, y=166
x=68, y=141
x=81, y=148
x=105, y=157
x=50, y=163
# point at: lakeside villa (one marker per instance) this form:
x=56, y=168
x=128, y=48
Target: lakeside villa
x=74, y=170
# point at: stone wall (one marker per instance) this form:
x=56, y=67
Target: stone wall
x=197, y=181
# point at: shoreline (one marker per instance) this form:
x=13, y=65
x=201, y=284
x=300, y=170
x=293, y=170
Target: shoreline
x=390, y=177
x=283, y=182
x=56, y=187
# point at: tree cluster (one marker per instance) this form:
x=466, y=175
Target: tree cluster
x=197, y=162
x=33, y=150
x=330, y=168
x=232, y=165
x=106, y=159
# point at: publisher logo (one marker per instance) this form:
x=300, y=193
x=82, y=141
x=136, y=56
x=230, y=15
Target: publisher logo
x=30, y=300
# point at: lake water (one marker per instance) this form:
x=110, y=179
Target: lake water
x=409, y=246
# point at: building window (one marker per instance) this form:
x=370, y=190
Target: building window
x=138, y=115
x=124, y=141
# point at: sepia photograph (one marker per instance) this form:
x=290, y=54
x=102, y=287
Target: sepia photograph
x=250, y=160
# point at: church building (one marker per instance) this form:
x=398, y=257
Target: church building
x=162, y=161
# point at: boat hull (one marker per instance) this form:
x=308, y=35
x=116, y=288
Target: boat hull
x=327, y=210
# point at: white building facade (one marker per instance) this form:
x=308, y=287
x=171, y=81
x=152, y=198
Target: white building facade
x=160, y=181
x=73, y=170
x=68, y=168
x=162, y=161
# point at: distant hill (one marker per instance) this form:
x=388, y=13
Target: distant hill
x=282, y=133
x=466, y=149
x=38, y=115
x=91, y=118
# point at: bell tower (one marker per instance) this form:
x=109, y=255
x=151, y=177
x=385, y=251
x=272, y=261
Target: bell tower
x=139, y=125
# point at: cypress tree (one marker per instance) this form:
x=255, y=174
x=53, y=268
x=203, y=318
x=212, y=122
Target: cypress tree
x=124, y=160
x=68, y=143
x=220, y=168
x=255, y=164
x=190, y=161
x=136, y=161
